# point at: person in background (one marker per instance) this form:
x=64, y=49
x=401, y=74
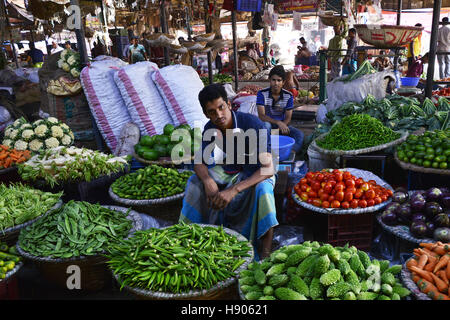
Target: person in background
x=303, y=54
x=67, y=45
x=443, y=45
x=340, y=32
x=136, y=52
x=251, y=52
x=414, y=47
x=55, y=48
x=35, y=56
x=218, y=61
x=350, y=60
x=291, y=84
x=275, y=106
x=238, y=193
x=416, y=70
x=316, y=44
x=382, y=63
x=266, y=48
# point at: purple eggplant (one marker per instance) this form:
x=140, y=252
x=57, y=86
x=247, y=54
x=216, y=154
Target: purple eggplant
x=392, y=206
x=441, y=220
x=430, y=228
x=433, y=194
x=432, y=209
x=400, y=197
x=389, y=218
x=417, y=204
x=404, y=213
x=418, y=193
x=445, y=200
x=419, y=217
x=442, y=234
x=418, y=229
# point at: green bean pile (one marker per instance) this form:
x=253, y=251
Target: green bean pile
x=357, y=131
x=20, y=203
x=177, y=259
x=152, y=182
x=76, y=229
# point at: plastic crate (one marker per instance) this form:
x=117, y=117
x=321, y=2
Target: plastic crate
x=9, y=289
x=248, y=5
x=354, y=229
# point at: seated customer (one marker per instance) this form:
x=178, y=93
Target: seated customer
x=275, y=106
x=416, y=70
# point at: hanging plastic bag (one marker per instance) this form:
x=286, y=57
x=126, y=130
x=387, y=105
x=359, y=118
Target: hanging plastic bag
x=297, y=21
x=274, y=24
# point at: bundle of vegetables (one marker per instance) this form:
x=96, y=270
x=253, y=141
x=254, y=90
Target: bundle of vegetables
x=177, y=259
x=40, y=135
x=311, y=271
x=425, y=212
x=340, y=189
x=218, y=78
x=63, y=164
x=10, y=157
x=250, y=89
x=152, y=182
x=69, y=61
x=357, y=131
x=364, y=69
x=444, y=92
x=76, y=229
x=429, y=150
x=20, y=203
x=8, y=259
x=430, y=269
x=183, y=137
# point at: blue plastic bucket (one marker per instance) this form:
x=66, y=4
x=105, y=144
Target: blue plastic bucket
x=409, y=82
x=282, y=146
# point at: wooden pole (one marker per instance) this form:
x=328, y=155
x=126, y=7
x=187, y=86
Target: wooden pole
x=10, y=33
x=164, y=30
x=433, y=45
x=399, y=12
x=235, y=53
x=208, y=30
x=81, y=39
x=105, y=26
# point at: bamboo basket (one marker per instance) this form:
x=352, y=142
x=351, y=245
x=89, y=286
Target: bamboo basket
x=387, y=36
x=412, y=167
x=406, y=278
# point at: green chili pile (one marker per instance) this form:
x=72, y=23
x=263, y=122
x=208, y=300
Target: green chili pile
x=177, y=259
x=78, y=228
x=357, y=131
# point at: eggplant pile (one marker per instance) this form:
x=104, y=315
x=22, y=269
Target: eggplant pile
x=427, y=213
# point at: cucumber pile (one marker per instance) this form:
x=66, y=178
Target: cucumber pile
x=152, y=182
x=8, y=259
x=430, y=150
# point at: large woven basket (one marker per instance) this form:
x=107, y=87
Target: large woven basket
x=9, y=175
x=387, y=36
x=93, y=269
x=223, y=290
x=412, y=167
x=331, y=20
x=406, y=277
x=205, y=37
x=10, y=235
x=162, y=162
x=366, y=175
x=11, y=273
x=404, y=136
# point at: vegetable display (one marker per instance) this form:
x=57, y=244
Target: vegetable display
x=10, y=157
x=364, y=69
x=76, y=229
x=151, y=182
x=38, y=136
x=430, y=150
x=63, y=164
x=444, y=92
x=8, y=259
x=426, y=213
x=177, y=259
x=218, y=78
x=69, y=61
x=430, y=269
x=340, y=189
x=357, y=131
x=20, y=203
x=311, y=271
x=182, y=138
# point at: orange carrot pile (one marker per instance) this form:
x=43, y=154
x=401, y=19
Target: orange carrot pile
x=430, y=269
x=10, y=157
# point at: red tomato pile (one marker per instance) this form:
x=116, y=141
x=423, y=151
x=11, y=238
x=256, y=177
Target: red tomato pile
x=340, y=189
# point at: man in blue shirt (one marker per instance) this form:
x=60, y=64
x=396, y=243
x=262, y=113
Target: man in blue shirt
x=239, y=193
x=275, y=106
x=35, y=56
x=136, y=52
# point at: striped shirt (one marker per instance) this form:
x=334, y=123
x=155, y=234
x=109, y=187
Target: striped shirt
x=275, y=109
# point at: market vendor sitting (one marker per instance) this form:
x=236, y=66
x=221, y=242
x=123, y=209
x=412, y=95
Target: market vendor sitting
x=275, y=106
x=237, y=192
x=416, y=70
x=35, y=56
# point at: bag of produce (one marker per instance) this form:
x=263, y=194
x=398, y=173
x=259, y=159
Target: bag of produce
x=141, y=96
x=179, y=87
x=104, y=98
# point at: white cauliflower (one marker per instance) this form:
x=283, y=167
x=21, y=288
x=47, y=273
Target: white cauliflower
x=8, y=143
x=52, y=120
x=35, y=145
x=65, y=126
x=25, y=126
x=41, y=130
x=71, y=135
x=65, y=66
x=37, y=122
x=63, y=54
x=60, y=62
x=27, y=134
x=51, y=143
x=21, y=145
x=66, y=140
x=71, y=60
x=8, y=131
x=57, y=132
x=16, y=124
x=13, y=134
x=75, y=73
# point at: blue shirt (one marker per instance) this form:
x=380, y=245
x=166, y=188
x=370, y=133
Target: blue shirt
x=137, y=53
x=275, y=109
x=243, y=121
x=36, y=55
